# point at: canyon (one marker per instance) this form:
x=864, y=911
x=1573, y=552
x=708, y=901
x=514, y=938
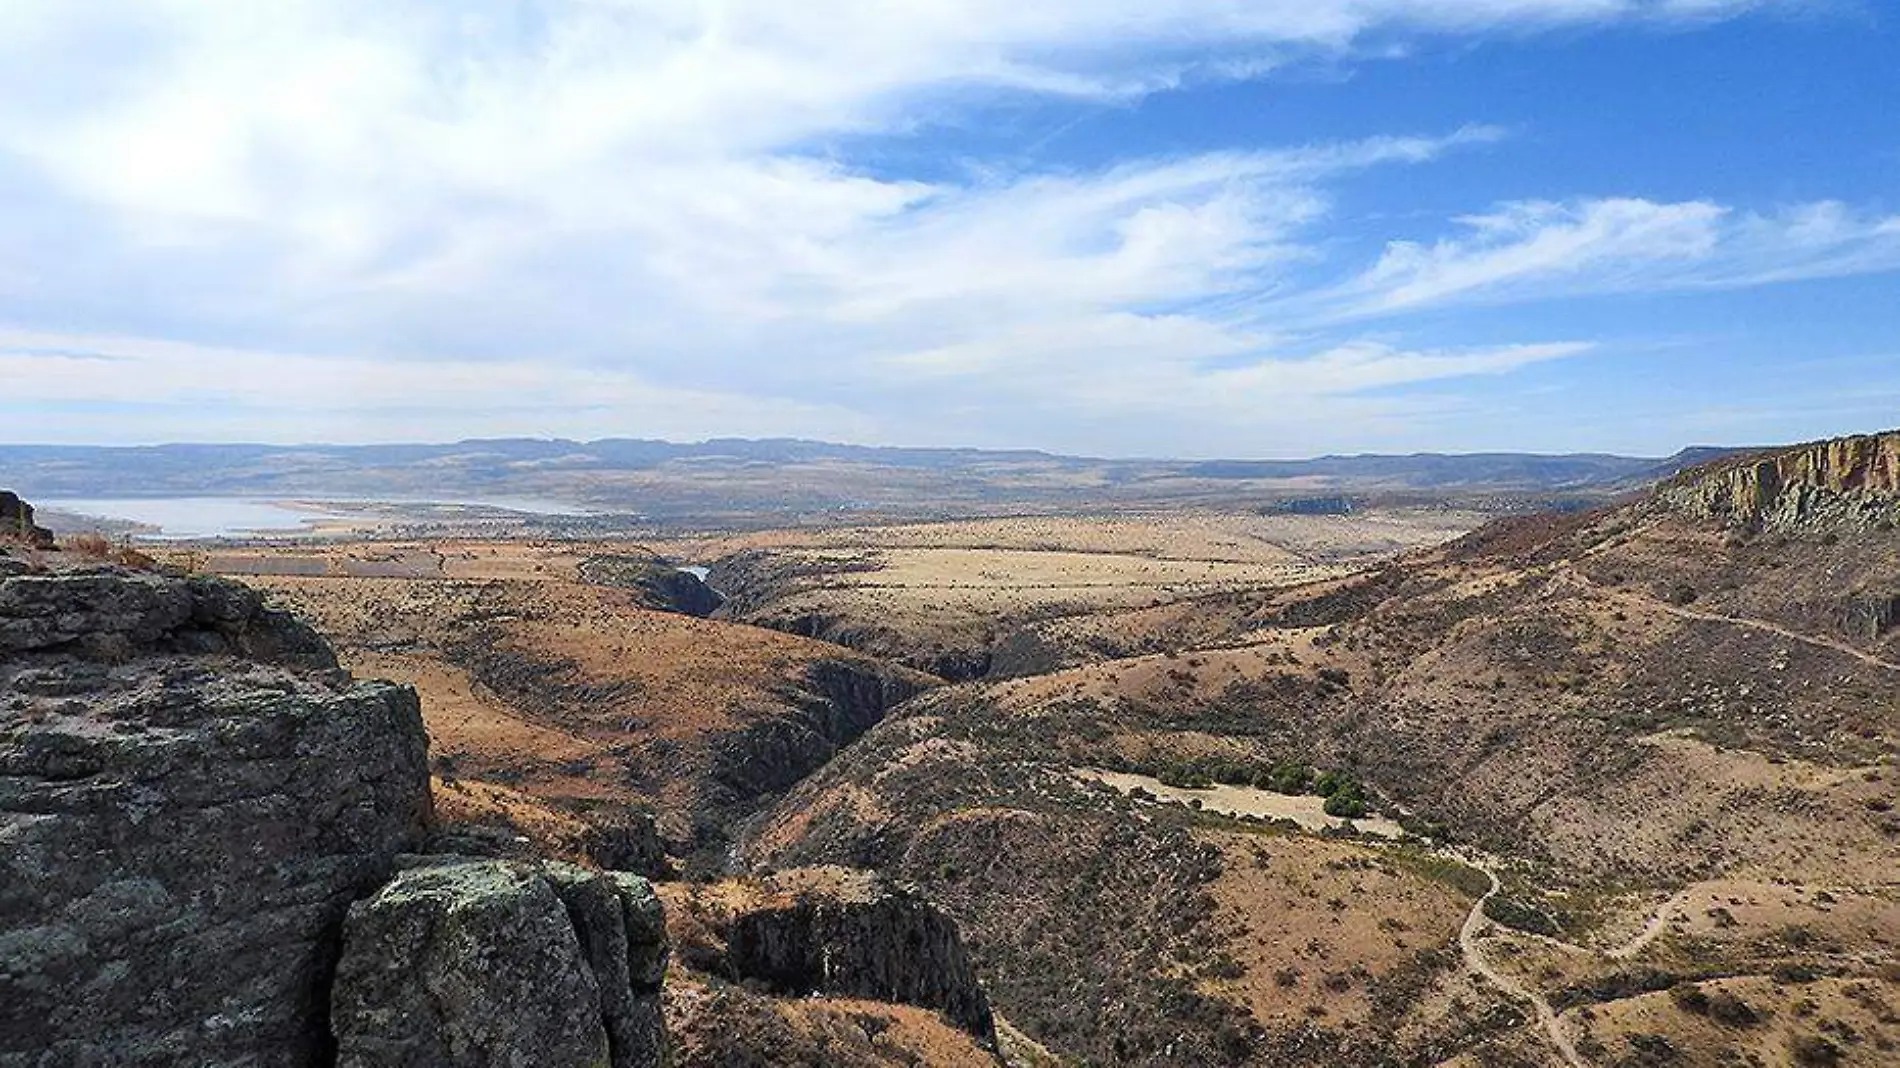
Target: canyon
x=1415, y=784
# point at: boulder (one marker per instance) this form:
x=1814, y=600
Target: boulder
x=183, y=825
x=487, y=962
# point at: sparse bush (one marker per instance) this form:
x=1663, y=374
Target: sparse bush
x=98, y=547
x=1288, y=778
x=1790, y=973
x=1813, y=1051
x=1346, y=803
x=1731, y=1011
x=1721, y=1006
x=1682, y=594
x=1653, y=1049
x=1514, y=913
x=1690, y=998
x=89, y=544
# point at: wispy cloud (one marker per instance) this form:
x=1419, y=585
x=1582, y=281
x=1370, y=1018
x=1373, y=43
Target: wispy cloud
x=608, y=216
x=1533, y=249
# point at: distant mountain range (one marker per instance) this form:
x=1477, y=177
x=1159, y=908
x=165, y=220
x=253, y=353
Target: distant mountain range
x=728, y=478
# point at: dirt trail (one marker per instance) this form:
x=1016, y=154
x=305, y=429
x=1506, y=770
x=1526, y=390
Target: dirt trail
x=1761, y=625
x=1474, y=957
x=1791, y=635
x=1658, y=923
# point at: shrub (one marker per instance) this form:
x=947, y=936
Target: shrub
x=1813, y=1051
x=1288, y=778
x=1525, y=917
x=1344, y=796
x=1347, y=804
x=1690, y=998
x=1653, y=1049
x=1788, y=972
x=99, y=547
x=1721, y=1006
x=1731, y=1011
x=89, y=545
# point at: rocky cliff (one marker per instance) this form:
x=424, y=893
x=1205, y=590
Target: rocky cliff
x=834, y=703
x=1851, y=482
x=16, y=522
x=190, y=797
x=833, y=931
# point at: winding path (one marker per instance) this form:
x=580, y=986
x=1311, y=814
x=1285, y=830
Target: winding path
x=1474, y=956
x=1792, y=635
x=1845, y=648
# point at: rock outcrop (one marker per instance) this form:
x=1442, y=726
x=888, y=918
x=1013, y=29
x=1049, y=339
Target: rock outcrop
x=191, y=796
x=16, y=522
x=1851, y=482
x=113, y=614
x=840, y=932
x=472, y=963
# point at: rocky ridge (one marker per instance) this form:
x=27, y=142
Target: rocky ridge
x=1851, y=482
x=660, y=585
x=833, y=931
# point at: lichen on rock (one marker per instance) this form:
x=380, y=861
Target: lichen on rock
x=484, y=962
x=190, y=797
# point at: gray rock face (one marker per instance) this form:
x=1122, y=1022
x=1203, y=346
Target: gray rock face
x=622, y=931
x=479, y=963
x=190, y=798
x=112, y=613
x=16, y=522
x=854, y=934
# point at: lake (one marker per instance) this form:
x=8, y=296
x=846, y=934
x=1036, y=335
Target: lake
x=184, y=518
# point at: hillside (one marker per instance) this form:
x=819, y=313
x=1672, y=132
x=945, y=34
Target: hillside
x=1612, y=786
x=1670, y=733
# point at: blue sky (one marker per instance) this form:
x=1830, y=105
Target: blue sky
x=1199, y=228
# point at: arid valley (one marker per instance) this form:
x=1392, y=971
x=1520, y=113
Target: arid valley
x=1404, y=785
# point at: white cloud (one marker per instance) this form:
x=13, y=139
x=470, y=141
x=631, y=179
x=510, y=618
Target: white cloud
x=580, y=216
x=1541, y=249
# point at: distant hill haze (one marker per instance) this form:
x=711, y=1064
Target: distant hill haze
x=727, y=478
